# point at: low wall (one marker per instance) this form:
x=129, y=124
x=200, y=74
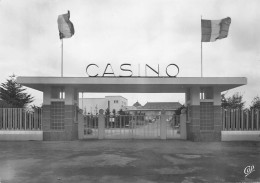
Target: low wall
x=240, y=136
x=15, y=135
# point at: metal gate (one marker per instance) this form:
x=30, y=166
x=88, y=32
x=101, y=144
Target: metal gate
x=131, y=127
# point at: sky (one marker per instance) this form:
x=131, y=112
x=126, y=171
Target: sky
x=130, y=31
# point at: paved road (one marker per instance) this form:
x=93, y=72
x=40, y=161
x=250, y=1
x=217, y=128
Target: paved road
x=144, y=161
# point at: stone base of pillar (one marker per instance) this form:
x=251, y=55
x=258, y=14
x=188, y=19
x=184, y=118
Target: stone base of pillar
x=210, y=136
x=61, y=135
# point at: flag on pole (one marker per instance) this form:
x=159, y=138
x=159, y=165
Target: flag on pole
x=66, y=28
x=211, y=30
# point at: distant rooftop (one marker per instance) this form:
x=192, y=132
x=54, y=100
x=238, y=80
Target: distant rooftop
x=137, y=104
x=116, y=96
x=161, y=105
x=102, y=98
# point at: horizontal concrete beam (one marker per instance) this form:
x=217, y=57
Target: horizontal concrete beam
x=240, y=136
x=132, y=84
x=15, y=135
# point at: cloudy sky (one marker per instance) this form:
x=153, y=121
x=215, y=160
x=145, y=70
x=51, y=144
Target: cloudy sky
x=130, y=31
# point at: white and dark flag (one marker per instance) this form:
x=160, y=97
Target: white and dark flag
x=211, y=30
x=66, y=28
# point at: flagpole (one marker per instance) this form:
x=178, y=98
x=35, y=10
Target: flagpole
x=61, y=57
x=201, y=53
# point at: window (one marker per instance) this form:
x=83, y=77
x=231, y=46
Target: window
x=57, y=93
x=57, y=115
x=206, y=93
x=115, y=101
x=206, y=116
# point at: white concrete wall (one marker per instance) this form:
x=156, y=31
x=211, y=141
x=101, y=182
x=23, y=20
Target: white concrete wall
x=14, y=135
x=240, y=136
x=117, y=106
x=92, y=105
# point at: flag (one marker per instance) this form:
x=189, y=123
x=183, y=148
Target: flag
x=66, y=28
x=211, y=30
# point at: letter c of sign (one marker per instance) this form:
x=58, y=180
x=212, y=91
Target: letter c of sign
x=87, y=70
x=175, y=66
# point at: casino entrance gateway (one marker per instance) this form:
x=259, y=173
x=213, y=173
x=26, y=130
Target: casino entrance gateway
x=203, y=100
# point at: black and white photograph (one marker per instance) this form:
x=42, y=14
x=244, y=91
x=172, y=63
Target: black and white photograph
x=129, y=91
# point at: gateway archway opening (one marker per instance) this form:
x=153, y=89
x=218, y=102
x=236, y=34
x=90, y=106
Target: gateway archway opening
x=131, y=115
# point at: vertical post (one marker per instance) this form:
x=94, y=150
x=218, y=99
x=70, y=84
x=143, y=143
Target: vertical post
x=252, y=119
x=183, y=126
x=4, y=119
x=257, y=119
x=242, y=119
x=101, y=125
x=61, y=57
x=81, y=127
x=163, y=129
x=223, y=119
x=247, y=119
x=201, y=51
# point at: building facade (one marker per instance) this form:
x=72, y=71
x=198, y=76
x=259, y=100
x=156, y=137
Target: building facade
x=93, y=105
x=154, y=108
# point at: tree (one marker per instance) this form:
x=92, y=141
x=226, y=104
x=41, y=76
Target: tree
x=107, y=113
x=114, y=112
x=224, y=102
x=121, y=112
x=233, y=102
x=13, y=93
x=178, y=111
x=256, y=103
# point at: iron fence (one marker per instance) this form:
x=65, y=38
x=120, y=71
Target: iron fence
x=240, y=120
x=19, y=119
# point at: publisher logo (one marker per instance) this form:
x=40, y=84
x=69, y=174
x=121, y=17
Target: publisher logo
x=248, y=170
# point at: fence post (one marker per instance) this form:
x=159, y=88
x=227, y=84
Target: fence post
x=183, y=130
x=163, y=129
x=25, y=120
x=252, y=118
x=4, y=120
x=242, y=119
x=238, y=119
x=81, y=127
x=223, y=118
x=247, y=119
x=101, y=124
x=232, y=119
x=257, y=119
x=228, y=119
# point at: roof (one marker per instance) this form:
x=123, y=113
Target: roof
x=116, y=96
x=129, y=108
x=137, y=104
x=161, y=106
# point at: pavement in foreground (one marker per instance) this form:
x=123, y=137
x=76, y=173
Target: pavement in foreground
x=144, y=161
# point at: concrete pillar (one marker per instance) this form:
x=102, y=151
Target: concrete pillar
x=70, y=131
x=163, y=129
x=217, y=114
x=193, y=125
x=199, y=112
